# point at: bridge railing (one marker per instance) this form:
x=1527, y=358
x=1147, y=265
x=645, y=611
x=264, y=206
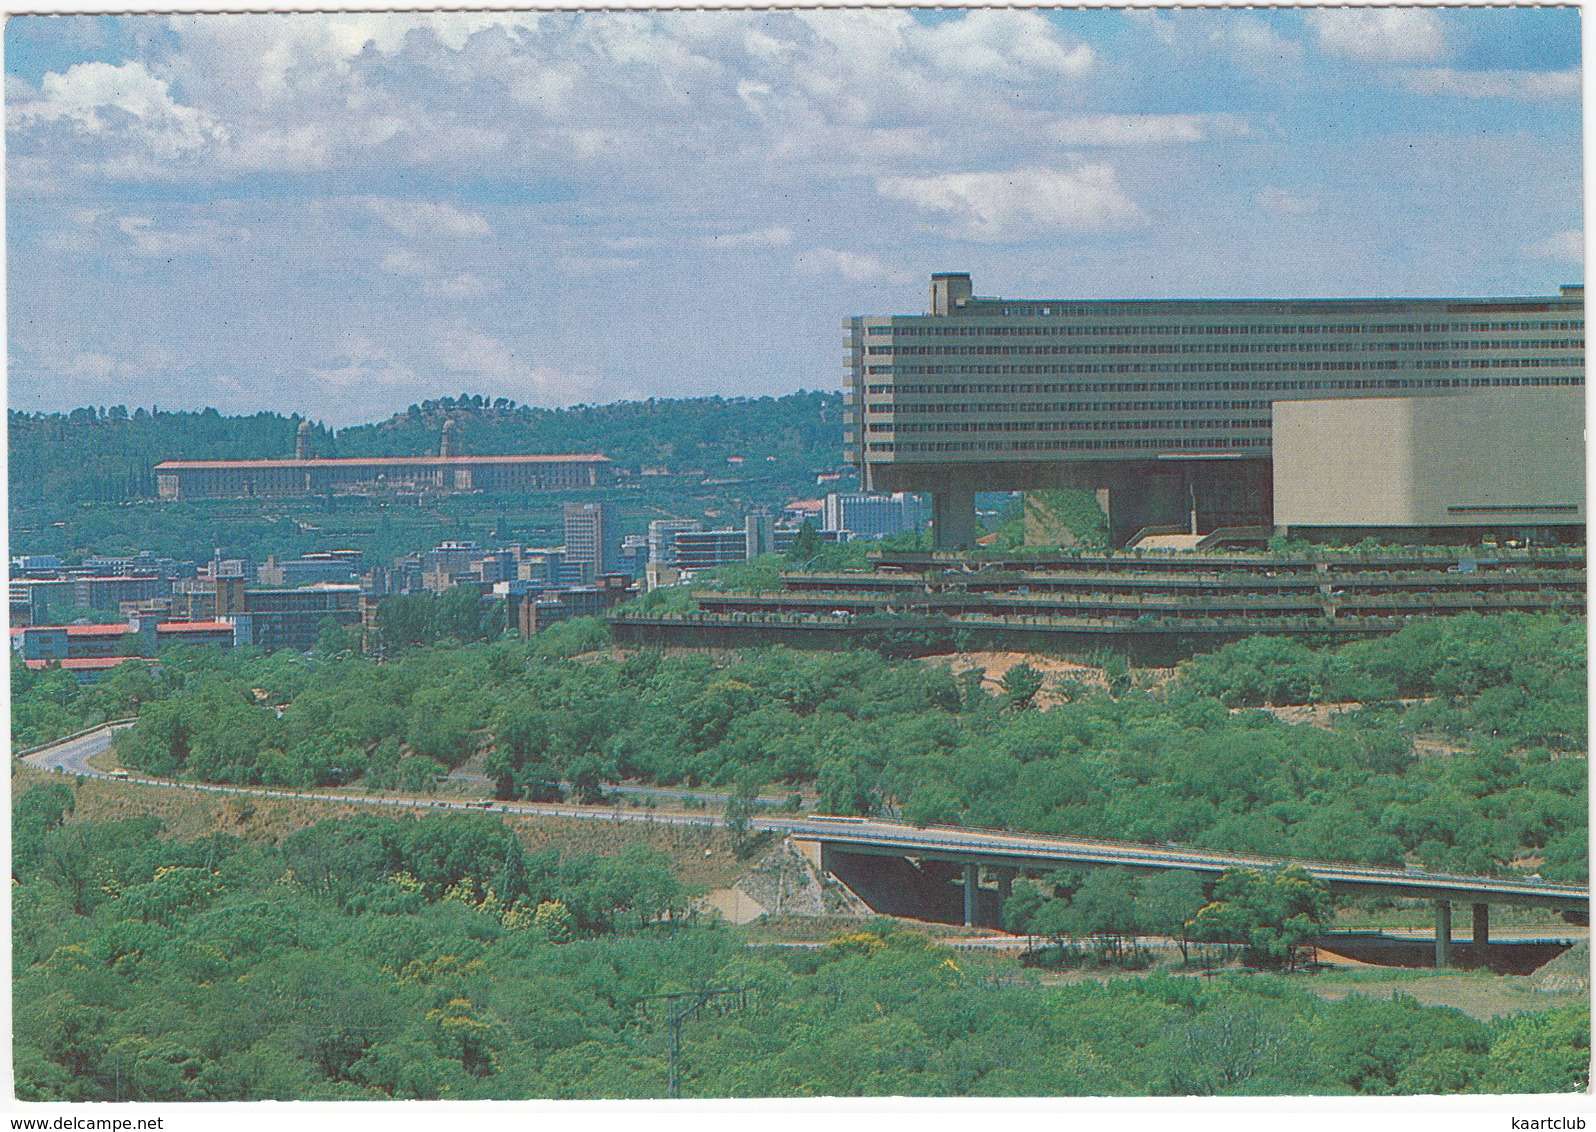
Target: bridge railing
x=960, y=839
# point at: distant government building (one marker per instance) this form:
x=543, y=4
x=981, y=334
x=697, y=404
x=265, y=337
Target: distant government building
x=446, y=472
x=1442, y=419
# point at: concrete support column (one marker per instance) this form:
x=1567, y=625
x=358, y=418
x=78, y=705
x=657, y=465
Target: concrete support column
x=1005, y=877
x=953, y=516
x=1482, y=925
x=1443, y=933
x=972, y=887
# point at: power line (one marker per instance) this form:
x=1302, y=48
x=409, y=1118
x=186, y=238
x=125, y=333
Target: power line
x=682, y=1005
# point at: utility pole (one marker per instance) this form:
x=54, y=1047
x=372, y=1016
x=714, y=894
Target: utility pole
x=681, y=1006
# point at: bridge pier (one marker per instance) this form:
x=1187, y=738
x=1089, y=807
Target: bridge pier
x=1443, y=933
x=1482, y=925
x=953, y=523
x=972, y=888
x=1005, y=877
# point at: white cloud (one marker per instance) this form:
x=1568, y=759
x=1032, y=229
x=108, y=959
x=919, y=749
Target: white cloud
x=1023, y=202
x=362, y=365
x=87, y=366
x=1256, y=45
x=1000, y=44
x=1142, y=129
x=423, y=219
x=435, y=280
x=1568, y=246
x=507, y=94
x=1531, y=86
x=850, y=265
x=1247, y=41
x=87, y=94
x=403, y=261
x=1280, y=202
x=206, y=238
x=477, y=356
x=774, y=237
x=1380, y=35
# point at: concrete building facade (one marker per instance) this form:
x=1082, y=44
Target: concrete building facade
x=1498, y=461
x=212, y=479
x=591, y=539
x=1166, y=406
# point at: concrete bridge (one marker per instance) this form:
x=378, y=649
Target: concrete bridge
x=931, y=872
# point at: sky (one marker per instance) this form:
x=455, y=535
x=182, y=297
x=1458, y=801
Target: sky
x=343, y=214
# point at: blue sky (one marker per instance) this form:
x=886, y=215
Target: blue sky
x=343, y=214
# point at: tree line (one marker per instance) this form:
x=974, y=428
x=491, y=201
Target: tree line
x=382, y=958
x=911, y=740
x=106, y=454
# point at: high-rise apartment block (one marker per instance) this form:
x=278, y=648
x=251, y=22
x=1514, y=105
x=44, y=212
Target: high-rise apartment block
x=591, y=538
x=1167, y=406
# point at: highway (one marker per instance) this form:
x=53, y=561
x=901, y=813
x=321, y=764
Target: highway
x=958, y=845
x=1031, y=851
x=71, y=755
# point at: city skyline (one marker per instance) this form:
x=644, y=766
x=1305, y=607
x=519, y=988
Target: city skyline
x=342, y=215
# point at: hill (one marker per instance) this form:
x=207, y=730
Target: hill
x=105, y=454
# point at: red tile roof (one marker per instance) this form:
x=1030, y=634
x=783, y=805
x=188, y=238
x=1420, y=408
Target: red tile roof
x=84, y=663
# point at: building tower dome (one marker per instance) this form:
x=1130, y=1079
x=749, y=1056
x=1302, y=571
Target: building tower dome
x=449, y=442
x=302, y=441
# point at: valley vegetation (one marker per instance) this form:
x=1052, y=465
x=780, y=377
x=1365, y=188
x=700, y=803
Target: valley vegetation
x=1194, y=760
x=370, y=958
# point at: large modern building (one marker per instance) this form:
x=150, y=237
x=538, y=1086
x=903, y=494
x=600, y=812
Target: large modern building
x=446, y=472
x=1168, y=408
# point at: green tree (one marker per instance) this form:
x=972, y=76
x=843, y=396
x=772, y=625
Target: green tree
x=1167, y=904
x=806, y=544
x=1021, y=683
x=1542, y=1053
x=1270, y=912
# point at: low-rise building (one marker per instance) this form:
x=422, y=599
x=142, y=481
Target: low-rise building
x=273, y=619
x=868, y=515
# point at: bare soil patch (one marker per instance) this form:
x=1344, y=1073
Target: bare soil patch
x=1052, y=669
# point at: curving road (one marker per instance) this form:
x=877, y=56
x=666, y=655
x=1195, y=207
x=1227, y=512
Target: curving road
x=72, y=754
x=879, y=838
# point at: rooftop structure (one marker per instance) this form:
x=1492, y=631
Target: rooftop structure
x=1164, y=406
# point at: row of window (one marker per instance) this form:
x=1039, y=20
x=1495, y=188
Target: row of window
x=1077, y=407
x=1224, y=348
x=1102, y=310
x=1207, y=387
x=940, y=330
x=1067, y=426
x=1194, y=443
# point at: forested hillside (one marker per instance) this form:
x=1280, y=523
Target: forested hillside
x=1173, y=763
x=373, y=958
x=105, y=454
